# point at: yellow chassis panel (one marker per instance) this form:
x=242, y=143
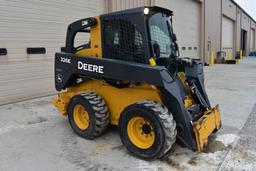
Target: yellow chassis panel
x=203, y=127
x=116, y=99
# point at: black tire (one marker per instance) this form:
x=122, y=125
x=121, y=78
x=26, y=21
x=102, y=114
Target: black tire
x=164, y=128
x=97, y=111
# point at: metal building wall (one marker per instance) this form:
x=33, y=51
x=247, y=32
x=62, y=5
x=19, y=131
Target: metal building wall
x=214, y=12
x=245, y=25
x=252, y=36
x=115, y=5
x=229, y=9
x=255, y=35
x=212, y=28
x=31, y=23
x=238, y=29
x=252, y=39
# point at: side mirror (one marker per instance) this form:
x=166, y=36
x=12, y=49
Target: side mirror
x=156, y=49
x=176, y=49
x=175, y=46
x=174, y=37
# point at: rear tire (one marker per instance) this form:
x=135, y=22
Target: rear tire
x=138, y=139
x=88, y=115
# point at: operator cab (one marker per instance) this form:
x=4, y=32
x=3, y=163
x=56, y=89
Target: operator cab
x=143, y=33
x=139, y=35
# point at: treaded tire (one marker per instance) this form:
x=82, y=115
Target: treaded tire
x=97, y=111
x=164, y=127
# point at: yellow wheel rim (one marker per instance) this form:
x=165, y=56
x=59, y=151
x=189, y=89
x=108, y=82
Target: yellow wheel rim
x=140, y=132
x=81, y=117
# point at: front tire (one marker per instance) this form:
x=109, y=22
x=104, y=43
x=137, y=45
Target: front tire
x=147, y=129
x=88, y=115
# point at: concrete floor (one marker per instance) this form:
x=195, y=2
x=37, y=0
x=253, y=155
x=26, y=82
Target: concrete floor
x=33, y=136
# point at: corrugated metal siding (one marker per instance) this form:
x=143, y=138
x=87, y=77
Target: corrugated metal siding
x=187, y=24
x=245, y=25
x=115, y=5
x=35, y=23
x=238, y=29
x=252, y=39
x=246, y=22
x=229, y=9
x=212, y=26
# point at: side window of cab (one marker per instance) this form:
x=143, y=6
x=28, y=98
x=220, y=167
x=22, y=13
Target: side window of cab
x=82, y=40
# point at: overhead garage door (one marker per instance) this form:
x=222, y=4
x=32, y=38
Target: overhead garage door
x=187, y=24
x=227, y=36
x=252, y=40
x=35, y=23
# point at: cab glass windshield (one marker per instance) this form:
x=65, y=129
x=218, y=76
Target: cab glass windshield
x=160, y=32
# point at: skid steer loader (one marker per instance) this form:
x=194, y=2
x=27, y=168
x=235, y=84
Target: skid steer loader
x=129, y=74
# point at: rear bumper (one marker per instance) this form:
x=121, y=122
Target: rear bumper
x=61, y=103
x=210, y=122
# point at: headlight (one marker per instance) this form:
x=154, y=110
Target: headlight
x=146, y=11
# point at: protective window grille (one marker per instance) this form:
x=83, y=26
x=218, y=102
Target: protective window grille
x=162, y=39
x=123, y=41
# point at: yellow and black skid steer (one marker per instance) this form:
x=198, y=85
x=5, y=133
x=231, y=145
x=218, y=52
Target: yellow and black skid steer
x=129, y=74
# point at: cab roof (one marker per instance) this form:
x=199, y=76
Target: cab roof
x=141, y=10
